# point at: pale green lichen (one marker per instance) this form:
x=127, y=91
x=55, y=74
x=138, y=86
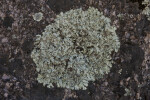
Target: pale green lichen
x=38, y=16
x=146, y=11
x=128, y=92
x=75, y=49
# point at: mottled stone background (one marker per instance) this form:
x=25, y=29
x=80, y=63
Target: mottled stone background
x=129, y=78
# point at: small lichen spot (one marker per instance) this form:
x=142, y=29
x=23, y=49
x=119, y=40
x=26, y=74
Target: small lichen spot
x=38, y=16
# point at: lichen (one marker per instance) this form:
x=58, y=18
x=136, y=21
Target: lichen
x=146, y=11
x=38, y=16
x=128, y=92
x=75, y=49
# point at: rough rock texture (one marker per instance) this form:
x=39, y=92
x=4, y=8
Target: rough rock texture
x=131, y=68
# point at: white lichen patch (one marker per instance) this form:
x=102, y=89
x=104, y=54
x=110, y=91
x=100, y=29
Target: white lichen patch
x=75, y=49
x=38, y=16
x=146, y=11
x=128, y=92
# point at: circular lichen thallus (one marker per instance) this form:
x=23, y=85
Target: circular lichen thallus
x=75, y=49
x=38, y=16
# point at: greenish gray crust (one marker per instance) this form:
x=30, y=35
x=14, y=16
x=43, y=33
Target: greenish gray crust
x=38, y=16
x=75, y=49
x=146, y=11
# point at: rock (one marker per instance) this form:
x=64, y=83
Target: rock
x=6, y=95
x=4, y=40
x=5, y=77
x=8, y=85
